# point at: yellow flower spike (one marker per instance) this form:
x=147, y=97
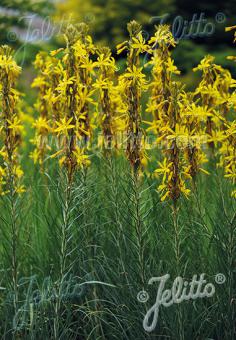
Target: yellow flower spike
x=132, y=83
x=12, y=128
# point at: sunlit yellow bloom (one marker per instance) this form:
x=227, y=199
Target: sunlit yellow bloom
x=42, y=124
x=171, y=67
x=15, y=124
x=81, y=158
x=63, y=126
x=35, y=156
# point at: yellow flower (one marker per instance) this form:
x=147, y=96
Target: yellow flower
x=3, y=152
x=135, y=75
x=15, y=124
x=81, y=158
x=171, y=67
x=179, y=133
x=39, y=82
x=20, y=189
x=63, y=126
x=122, y=47
x=163, y=169
x=102, y=84
x=183, y=189
x=205, y=63
x=35, y=156
x=42, y=124
x=164, y=36
x=18, y=171
x=88, y=65
x=139, y=43
x=2, y=172
x=104, y=60
x=194, y=110
x=231, y=174
x=55, y=52
x=63, y=85
x=165, y=192
x=230, y=28
x=62, y=160
x=8, y=64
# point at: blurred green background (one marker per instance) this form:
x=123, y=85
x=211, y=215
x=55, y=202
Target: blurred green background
x=33, y=25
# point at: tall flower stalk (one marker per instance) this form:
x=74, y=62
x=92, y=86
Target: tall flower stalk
x=134, y=83
x=41, y=125
x=67, y=76
x=11, y=172
x=84, y=49
x=164, y=104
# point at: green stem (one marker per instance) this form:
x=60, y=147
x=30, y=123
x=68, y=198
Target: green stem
x=63, y=253
x=178, y=265
x=139, y=226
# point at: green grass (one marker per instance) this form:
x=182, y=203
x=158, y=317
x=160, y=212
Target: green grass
x=116, y=235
